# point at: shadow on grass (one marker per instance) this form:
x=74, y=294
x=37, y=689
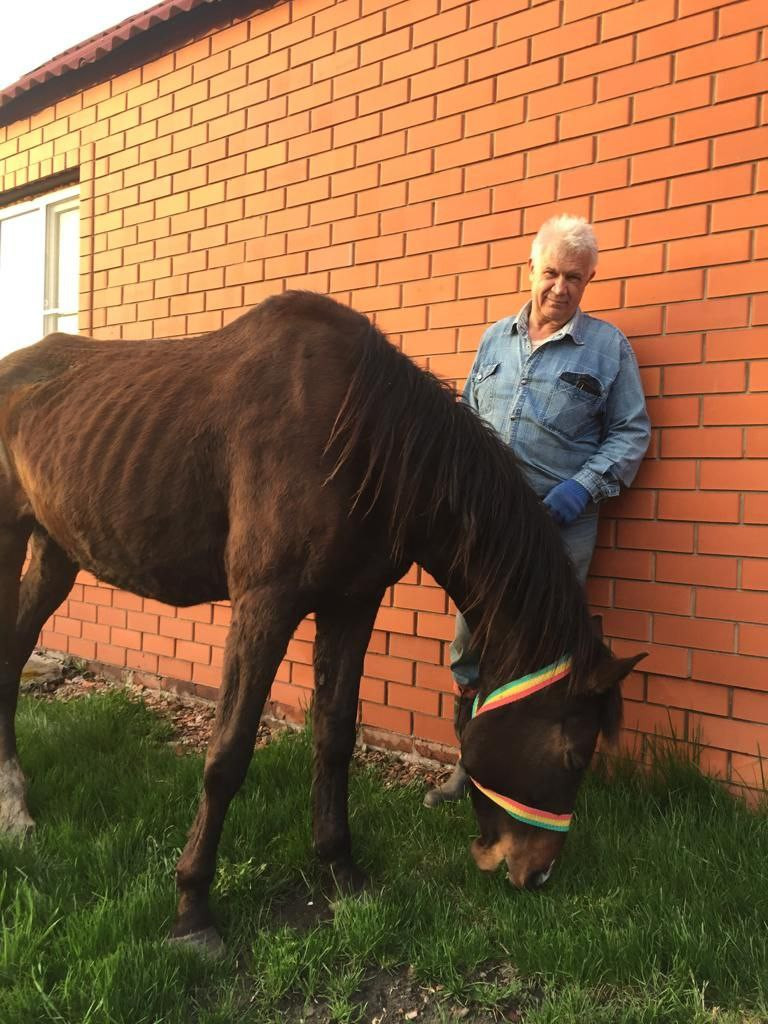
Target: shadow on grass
x=658, y=911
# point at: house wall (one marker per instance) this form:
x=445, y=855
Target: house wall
x=400, y=156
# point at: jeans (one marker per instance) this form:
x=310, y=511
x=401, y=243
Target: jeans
x=579, y=539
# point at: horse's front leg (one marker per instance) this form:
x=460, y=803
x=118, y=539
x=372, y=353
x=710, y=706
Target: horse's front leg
x=262, y=623
x=343, y=632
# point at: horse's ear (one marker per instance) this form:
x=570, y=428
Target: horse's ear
x=609, y=671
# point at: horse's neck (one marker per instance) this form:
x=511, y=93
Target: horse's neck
x=460, y=585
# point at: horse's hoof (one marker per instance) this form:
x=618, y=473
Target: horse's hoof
x=19, y=826
x=349, y=880
x=206, y=941
x=15, y=819
x=453, y=788
x=434, y=797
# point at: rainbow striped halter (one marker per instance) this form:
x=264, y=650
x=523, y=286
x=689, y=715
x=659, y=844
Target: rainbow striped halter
x=519, y=689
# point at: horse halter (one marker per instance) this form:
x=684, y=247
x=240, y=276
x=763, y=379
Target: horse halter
x=519, y=689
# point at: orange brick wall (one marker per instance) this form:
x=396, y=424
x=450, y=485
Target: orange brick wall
x=400, y=156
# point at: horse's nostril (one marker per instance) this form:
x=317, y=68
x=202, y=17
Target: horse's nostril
x=538, y=878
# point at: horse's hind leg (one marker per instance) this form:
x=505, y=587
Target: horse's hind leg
x=24, y=609
x=262, y=623
x=343, y=632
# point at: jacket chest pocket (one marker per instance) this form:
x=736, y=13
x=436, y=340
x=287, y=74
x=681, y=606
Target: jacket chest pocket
x=575, y=405
x=484, y=383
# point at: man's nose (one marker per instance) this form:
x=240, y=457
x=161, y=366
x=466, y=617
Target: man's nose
x=559, y=285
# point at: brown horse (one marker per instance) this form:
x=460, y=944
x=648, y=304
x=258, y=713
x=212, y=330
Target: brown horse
x=295, y=462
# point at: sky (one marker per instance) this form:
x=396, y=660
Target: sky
x=33, y=31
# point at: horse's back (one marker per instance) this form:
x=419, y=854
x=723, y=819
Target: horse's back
x=138, y=457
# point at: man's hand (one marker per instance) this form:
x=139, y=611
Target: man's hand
x=567, y=501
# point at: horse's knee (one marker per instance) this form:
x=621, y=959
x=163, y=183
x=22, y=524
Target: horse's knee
x=225, y=771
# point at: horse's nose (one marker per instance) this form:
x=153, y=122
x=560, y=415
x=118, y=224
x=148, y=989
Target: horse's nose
x=538, y=878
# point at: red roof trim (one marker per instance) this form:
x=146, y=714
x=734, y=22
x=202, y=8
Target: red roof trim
x=136, y=41
x=99, y=46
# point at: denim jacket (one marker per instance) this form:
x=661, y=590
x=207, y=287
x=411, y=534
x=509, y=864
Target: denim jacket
x=571, y=408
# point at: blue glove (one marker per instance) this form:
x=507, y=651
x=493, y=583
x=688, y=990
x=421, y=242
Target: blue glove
x=567, y=501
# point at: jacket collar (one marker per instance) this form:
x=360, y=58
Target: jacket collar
x=573, y=329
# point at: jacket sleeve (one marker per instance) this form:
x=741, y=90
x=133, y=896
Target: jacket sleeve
x=626, y=433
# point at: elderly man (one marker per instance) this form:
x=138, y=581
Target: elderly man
x=563, y=389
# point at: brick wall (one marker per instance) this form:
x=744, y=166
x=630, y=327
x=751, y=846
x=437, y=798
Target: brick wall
x=400, y=156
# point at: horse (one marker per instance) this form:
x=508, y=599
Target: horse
x=296, y=462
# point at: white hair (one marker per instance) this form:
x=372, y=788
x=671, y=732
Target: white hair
x=573, y=235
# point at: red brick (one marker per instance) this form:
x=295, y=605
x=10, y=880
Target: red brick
x=715, y=313
x=725, y=53
x=656, y=536
x=641, y=15
x=518, y=82
x=564, y=155
x=609, y=55
x=743, y=474
x=462, y=99
x=733, y=540
x=670, y=162
x=740, y=278
x=628, y=80
x=392, y=719
x=737, y=409
x=753, y=640
x=742, y=16
x=584, y=181
x=685, y=631
x=693, y=380
x=736, y=115
x=756, y=508
x=670, y=349
x=700, y=506
x=744, y=80
x=636, y=138
x=655, y=597
x=672, y=411
x=754, y=574
x=668, y=224
x=651, y=718
x=728, y=247
x=675, y=37
x=730, y=604
x=729, y=734
x=498, y=61
x=697, y=569
x=669, y=287
x=692, y=695
x=439, y=730
x=616, y=563
x=564, y=40
x=413, y=698
x=595, y=119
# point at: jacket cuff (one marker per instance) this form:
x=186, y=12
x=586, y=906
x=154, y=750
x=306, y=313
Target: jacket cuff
x=599, y=487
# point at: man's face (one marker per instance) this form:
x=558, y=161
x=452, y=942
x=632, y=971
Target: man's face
x=558, y=280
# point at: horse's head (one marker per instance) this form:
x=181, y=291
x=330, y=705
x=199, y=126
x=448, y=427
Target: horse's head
x=526, y=750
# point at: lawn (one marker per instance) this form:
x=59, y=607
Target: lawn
x=658, y=911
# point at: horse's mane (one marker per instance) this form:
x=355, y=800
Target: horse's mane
x=447, y=475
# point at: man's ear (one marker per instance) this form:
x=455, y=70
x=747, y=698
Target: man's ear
x=609, y=671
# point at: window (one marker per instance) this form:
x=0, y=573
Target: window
x=39, y=268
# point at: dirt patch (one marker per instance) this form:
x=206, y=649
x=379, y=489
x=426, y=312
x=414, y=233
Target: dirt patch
x=300, y=910
x=394, y=997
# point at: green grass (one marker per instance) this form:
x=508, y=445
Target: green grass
x=658, y=911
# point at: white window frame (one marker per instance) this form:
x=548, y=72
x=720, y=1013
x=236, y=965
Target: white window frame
x=49, y=205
